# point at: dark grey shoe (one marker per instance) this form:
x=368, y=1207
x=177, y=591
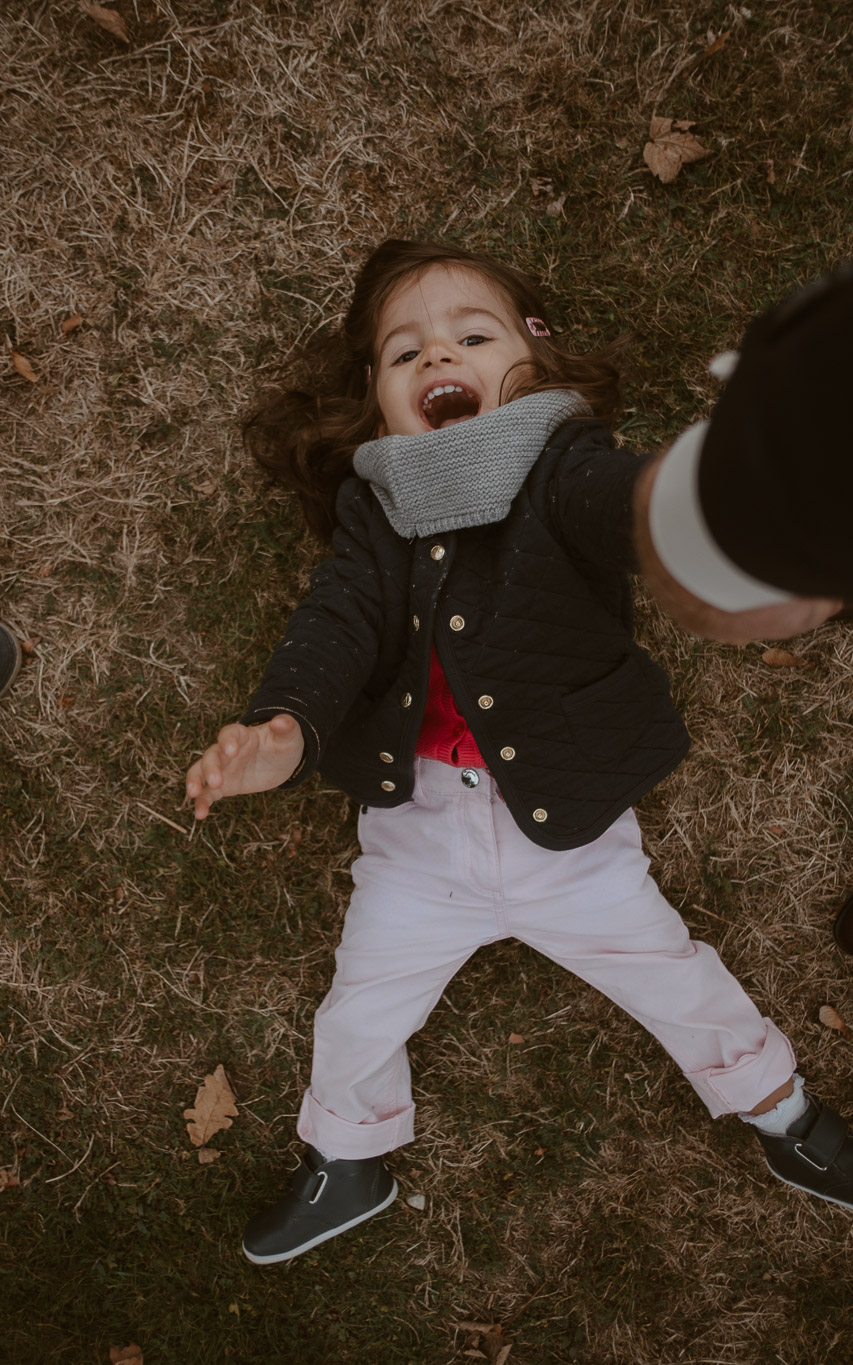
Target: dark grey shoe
x=10, y=658
x=816, y=1154
x=843, y=926
x=324, y=1199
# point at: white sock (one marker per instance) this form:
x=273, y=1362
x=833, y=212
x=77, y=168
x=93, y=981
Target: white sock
x=787, y=1111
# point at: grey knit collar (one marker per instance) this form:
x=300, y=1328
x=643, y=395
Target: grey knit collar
x=467, y=474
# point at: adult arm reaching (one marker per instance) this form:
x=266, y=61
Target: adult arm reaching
x=743, y=528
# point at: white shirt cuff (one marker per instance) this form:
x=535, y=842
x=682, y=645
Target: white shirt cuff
x=683, y=541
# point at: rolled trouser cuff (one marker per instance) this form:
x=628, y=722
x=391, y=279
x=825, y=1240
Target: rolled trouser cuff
x=338, y=1137
x=739, y=1088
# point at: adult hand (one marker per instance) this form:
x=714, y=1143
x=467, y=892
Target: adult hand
x=245, y=759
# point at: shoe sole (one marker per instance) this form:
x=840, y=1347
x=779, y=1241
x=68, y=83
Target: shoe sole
x=19, y=658
x=830, y=1199
x=323, y=1237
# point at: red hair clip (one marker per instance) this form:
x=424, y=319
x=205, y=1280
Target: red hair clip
x=537, y=327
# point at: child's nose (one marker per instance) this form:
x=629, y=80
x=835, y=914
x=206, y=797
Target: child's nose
x=439, y=351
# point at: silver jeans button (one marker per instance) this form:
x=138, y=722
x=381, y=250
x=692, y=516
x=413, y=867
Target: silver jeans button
x=470, y=777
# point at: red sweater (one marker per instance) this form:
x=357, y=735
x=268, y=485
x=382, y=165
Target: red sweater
x=444, y=734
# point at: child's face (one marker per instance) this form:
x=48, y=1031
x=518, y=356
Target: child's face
x=449, y=330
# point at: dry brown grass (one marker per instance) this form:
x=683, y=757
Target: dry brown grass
x=203, y=197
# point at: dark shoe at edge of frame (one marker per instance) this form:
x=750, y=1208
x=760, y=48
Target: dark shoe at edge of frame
x=325, y=1198
x=815, y=1154
x=11, y=658
x=842, y=928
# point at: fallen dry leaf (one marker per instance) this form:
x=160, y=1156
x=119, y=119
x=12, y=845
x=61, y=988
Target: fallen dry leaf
x=23, y=366
x=214, y=1108
x=8, y=1179
x=780, y=658
x=207, y=1156
x=71, y=324
x=126, y=1355
x=416, y=1201
x=516, y=1037
x=776, y=829
x=28, y=647
x=109, y=19
x=486, y=1342
x=832, y=1019
x=672, y=146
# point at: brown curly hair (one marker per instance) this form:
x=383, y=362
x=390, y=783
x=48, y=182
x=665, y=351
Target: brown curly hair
x=307, y=440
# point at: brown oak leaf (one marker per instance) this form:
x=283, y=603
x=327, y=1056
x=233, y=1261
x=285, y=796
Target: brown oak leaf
x=207, y=1156
x=8, y=1179
x=71, y=324
x=109, y=19
x=126, y=1355
x=486, y=1342
x=832, y=1019
x=516, y=1038
x=781, y=658
x=23, y=366
x=214, y=1108
x=671, y=146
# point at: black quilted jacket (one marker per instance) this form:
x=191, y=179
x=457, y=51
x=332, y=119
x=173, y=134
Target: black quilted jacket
x=531, y=617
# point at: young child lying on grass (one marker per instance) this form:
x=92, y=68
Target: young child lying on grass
x=464, y=668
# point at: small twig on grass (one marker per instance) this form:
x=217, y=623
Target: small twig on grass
x=53, y=1179
x=703, y=911
x=38, y=1134
x=165, y=819
x=527, y=1302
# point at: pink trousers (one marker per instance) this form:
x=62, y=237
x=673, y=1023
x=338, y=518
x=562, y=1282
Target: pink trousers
x=450, y=871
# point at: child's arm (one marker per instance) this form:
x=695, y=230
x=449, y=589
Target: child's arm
x=317, y=670
x=245, y=759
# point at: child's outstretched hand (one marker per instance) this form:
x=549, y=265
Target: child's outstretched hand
x=245, y=759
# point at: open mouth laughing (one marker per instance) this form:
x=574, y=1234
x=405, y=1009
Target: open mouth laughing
x=446, y=404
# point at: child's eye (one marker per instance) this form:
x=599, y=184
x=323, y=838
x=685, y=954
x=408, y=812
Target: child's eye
x=404, y=358
x=474, y=340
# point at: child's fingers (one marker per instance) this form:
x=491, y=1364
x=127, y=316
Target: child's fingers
x=194, y=780
x=282, y=727
x=231, y=739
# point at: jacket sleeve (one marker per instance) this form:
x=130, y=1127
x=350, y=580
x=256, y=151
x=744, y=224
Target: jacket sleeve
x=591, y=495
x=331, y=643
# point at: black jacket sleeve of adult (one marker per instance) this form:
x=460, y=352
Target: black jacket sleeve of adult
x=776, y=468
x=345, y=602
